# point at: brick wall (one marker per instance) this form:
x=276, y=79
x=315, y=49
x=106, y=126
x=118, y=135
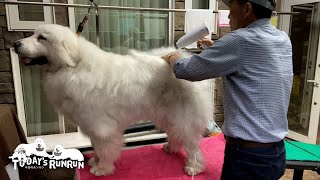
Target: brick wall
x=218, y=86
x=6, y=40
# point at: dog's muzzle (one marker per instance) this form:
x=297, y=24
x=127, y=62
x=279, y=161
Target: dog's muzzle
x=33, y=61
x=27, y=60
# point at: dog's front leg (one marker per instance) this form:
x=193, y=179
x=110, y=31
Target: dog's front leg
x=93, y=161
x=174, y=144
x=106, y=150
x=194, y=163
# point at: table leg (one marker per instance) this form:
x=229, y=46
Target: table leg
x=297, y=174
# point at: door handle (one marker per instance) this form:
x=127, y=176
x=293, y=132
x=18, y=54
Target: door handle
x=316, y=83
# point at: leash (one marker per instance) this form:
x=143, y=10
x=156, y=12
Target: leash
x=86, y=17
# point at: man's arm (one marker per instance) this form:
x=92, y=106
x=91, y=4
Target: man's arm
x=221, y=59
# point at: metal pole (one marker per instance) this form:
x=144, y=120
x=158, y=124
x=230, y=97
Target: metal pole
x=288, y=13
x=100, y=7
x=114, y=7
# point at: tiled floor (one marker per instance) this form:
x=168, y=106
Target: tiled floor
x=307, y=175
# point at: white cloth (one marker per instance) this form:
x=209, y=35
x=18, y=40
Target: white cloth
x=195, y=18
x=223, y=18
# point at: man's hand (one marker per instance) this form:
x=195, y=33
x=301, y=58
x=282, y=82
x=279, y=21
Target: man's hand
x=204, y=42
x=172, y=57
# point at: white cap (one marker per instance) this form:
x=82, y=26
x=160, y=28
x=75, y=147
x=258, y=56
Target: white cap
x=269, y=4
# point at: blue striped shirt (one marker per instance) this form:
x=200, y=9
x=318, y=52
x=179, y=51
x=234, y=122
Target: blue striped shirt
x=256, y=65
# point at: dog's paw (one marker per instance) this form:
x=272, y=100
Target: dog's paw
x=169, y=149
x=101, y=171
x=193, y=170
x=92, y=162
x=166, y=148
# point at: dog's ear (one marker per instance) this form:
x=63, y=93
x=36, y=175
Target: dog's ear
x=67, y=54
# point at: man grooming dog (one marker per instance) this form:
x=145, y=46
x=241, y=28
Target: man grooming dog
x=103, y=93
x=255, y=60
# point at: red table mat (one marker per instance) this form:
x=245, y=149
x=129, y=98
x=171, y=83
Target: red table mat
x=152, y=162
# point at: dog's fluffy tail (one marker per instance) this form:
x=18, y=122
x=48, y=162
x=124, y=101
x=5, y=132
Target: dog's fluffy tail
x=162, y=51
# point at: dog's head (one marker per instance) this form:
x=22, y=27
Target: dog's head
x=52, y=45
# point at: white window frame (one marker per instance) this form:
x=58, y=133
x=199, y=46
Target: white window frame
x=15, y=24
x=171, y=23
x=284, y=25
x=213, y=5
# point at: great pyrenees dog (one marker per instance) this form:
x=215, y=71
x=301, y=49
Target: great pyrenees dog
x=103, y=93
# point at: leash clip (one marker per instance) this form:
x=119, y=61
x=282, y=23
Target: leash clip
x=93, y=5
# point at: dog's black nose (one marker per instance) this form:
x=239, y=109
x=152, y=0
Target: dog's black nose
x=16, y=44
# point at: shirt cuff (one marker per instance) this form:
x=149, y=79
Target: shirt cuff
x=177, y=64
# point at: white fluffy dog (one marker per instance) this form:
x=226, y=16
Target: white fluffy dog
x=103, y=93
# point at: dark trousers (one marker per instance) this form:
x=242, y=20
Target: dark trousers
x=254, y=163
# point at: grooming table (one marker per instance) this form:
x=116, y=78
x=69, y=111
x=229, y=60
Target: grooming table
x=302, y=156
x=152, y=162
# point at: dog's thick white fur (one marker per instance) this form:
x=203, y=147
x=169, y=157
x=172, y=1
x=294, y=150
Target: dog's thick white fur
x=103, y=93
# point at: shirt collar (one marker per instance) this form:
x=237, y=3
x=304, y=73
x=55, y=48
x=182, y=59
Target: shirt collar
x=259, y=23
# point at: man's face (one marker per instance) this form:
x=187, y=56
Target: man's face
x=236, y=16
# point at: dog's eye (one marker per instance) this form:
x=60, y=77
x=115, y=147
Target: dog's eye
x=41, y=37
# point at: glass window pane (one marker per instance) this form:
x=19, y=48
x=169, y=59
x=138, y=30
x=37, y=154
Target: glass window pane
x=69, y=126
x=31, y=12
x=200, y=4
x=303, y=69
x=41, y=119
x=123, y=30
x=61, y=14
